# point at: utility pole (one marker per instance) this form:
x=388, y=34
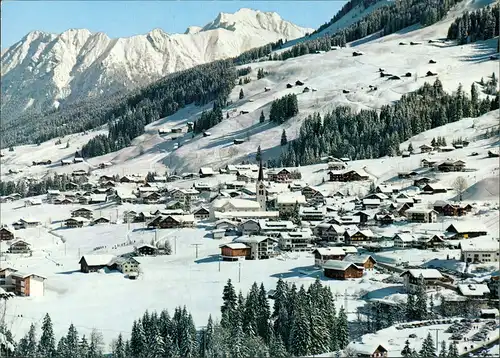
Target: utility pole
x=437, y=338
x=239, y=271
x=219, y=262
x=196, y=247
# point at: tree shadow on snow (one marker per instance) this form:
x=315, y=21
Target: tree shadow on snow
x=70, y=272
x=303, y=271
x=208, y=259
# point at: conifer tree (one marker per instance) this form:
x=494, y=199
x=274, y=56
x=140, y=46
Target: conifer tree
x=442, y=351
x=62, y=350
x=250, y=311
x=428, y=348
x=284, y=140
x=262, y=118
x=421, y=300
x=47, y=344
x=238, y=344
x=83, y=347
x=406, y=352
x=119, y=348
x=241, y=94
x=72, y=342
x=258, y=155
x=453, y=350
x=410, y=147
x=342, y=329
x=137, y=340
x=27, y=345
x=300, y=338
x=280, y=312
x=228, y=309
x=263, y=315
x=410, y=307
x=277, y=348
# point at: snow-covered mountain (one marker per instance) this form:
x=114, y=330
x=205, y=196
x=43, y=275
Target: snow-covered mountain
x=43, y=70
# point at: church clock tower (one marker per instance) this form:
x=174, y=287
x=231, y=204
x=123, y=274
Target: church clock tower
x=261, y=189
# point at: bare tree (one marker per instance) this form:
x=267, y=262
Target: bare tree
x=460, y=185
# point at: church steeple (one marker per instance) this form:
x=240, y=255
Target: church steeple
x=261, y=189
x=261, y=172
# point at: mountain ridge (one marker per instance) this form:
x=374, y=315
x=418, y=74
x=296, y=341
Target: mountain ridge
x=43, y=70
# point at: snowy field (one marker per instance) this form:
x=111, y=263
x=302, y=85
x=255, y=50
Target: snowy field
x=165, y=281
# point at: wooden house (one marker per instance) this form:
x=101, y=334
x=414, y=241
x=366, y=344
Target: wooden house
x=201, y=213
x=413, y=278
x=456, y=209
x=280, y=176
x=83, y=213
x=146, y=250
x=422, y=215
x=94, y=263
x=346, y=176
x=6, y=234
x=342, y=270
x=369, y=350
x=426, y=163
x=434, y=188
x=425, y=148
x=299, y=83
x=172, y=221
x=261, y=247
x=420, y=182
x=357, y=236
x=323, y=254
x=451, y=166
x=365, y=261
x=19, y=247
x=206, y=172
x=100, y=220
x=75, y=222
x=234, y=251
x=462, y=230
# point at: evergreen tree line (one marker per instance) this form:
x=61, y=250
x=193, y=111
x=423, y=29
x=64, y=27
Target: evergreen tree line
x=69, y=346
x=243, y=71
x=208, y=119
x=490, y=86
x=257, y=53
x=428, y=349
x=198, y=86
x=386, y=20
x=284, y=108
x=373, y=134
x=481, y=24
x=126, y=115
x=302, y=322
x=39, y=187
x=345, y=9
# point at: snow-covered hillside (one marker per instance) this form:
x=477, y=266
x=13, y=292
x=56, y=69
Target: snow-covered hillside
x=43, y=70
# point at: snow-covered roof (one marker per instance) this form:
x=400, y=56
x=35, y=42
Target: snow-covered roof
x=493, y=311
x=275, y=225
x=327, y=251
x=236, y=203
x=235, y=245
x=419, y=210
x=253, y=239
x=98, y=197
x=473, y=289
x=206, y=171
x=425, y=273
x=358, y=258
x=97, y=260
x=350, y=249
x=290, y=198
x=405, y=237
x=479, y=245
x=371, y=201
x=338, y=265
x=246, y=214
x=466, y=227
x=26, y=274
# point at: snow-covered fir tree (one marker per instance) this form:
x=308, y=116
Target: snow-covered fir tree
x=428, y=348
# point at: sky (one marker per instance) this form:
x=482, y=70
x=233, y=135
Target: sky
x=128, y=18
